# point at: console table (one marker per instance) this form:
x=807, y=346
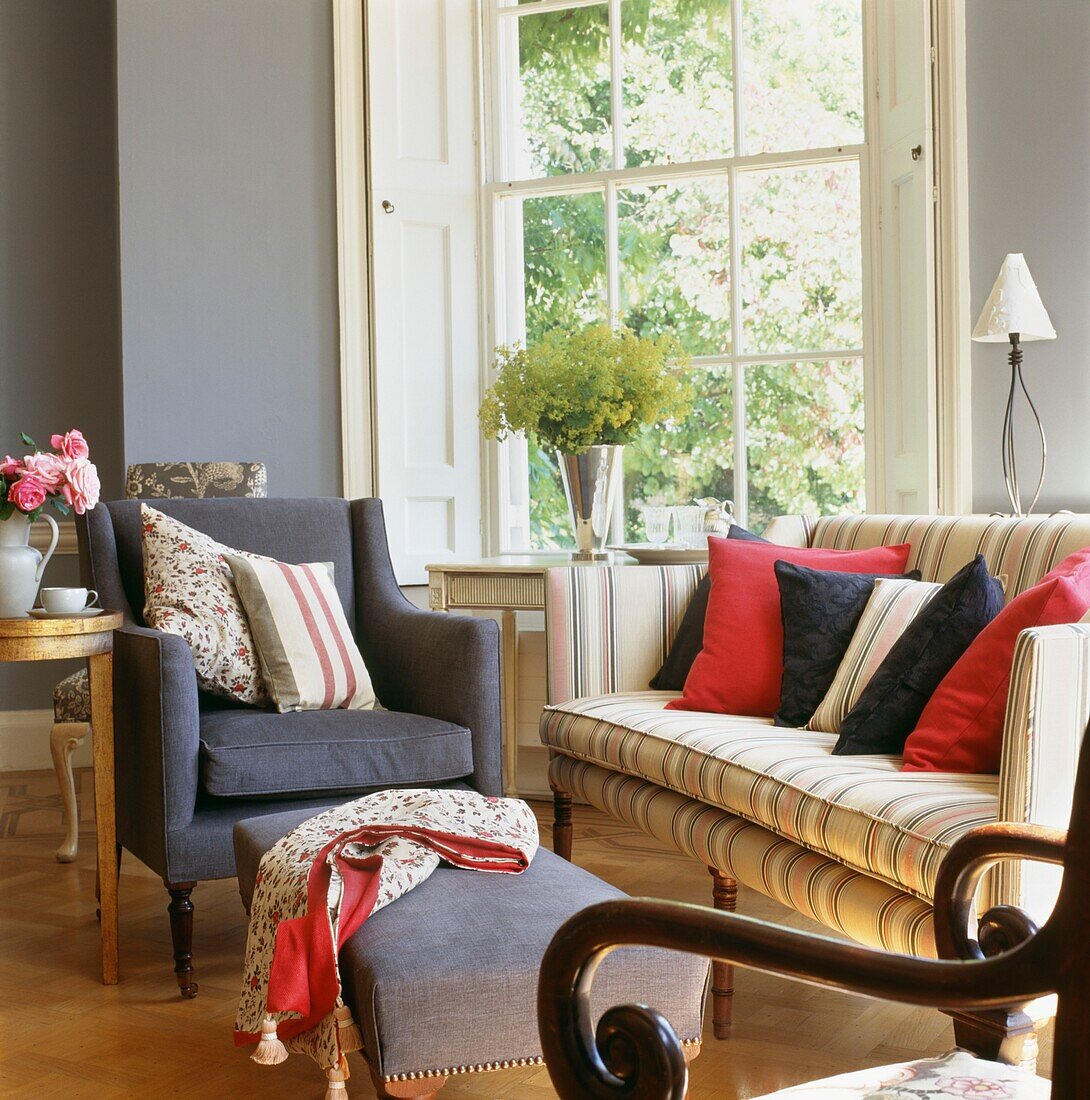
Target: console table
x=509, y=583
x=93, y=638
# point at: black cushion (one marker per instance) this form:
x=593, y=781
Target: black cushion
x=246, y=752
x=891, y=703
x=689, y=640
x=820, y=609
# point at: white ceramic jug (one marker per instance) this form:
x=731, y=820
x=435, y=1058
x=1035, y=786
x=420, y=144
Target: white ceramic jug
x=21, y=566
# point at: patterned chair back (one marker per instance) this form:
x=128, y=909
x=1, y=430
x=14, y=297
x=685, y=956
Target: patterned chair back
x=195, y=480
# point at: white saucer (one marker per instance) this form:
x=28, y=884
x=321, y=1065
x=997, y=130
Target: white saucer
x=663, y=553
x=86, y=613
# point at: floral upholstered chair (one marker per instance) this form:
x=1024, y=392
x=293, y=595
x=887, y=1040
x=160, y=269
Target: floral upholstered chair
x=992, y=969
x=71, y=697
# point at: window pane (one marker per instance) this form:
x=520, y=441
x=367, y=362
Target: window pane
x=562, y=117
x=675, y=262
x=678, y=80
x=563, y=262
x=804, y=439
x=691, y=458
x=803, y=74
x=802, y=261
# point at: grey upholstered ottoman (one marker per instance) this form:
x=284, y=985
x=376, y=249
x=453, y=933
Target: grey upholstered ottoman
x=444, y=980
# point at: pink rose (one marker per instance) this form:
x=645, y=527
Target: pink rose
x=81, y=487
x=11, y=467
x=47, y=468
x=27, y=493
x=71, y=444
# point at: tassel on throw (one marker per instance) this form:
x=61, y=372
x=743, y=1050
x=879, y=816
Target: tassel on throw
x=270, y=1050
x=335, y=1089
x=348, y=1032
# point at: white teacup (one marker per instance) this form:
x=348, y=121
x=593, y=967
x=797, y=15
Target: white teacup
x=67, y=601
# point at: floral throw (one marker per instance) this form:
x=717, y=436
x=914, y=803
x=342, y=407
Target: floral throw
x=189, y=591
x=954, y=1076
x=317, y=885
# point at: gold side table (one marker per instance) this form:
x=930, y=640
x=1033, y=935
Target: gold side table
x=509, y=583
x=93, y=638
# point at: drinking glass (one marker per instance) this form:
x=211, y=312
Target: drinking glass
x=656, y=524
x=688, y=523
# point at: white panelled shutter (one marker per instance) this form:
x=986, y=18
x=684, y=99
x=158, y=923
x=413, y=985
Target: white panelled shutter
x=908, y=470
x=421, y=80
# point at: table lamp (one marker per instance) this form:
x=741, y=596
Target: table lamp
x=1014, y=311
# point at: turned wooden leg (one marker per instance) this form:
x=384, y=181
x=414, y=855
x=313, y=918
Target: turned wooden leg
x=64, y=738
x=562, y=823
x=724, y=897
x=181, y=934
x=420, y=1089
x=998, y=1036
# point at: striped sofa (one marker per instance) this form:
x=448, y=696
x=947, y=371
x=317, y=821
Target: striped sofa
x=852, y=842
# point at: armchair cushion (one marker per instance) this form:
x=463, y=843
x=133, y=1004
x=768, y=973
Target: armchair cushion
x=957, y=1074
x=189, y=592
x=247, y=753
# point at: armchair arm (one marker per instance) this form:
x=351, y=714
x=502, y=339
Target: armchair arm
x=635, y=1051
x=157, y=734
x=1048, y=707
x=442, y=666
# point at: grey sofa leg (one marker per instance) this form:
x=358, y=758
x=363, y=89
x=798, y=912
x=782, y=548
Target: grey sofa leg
x=181, y=934
x=725, y=898
x=562, y=823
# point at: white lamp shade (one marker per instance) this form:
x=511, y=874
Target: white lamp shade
x=1014, y=306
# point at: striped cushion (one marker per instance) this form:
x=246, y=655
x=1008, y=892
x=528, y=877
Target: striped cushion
x=860, y=810
x=857, y=905
x=892, y=606
x=308, y=655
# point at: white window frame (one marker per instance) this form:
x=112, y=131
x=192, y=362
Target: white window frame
x=507, y=461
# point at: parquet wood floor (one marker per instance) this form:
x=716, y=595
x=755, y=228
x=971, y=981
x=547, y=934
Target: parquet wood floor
x=63, y=1034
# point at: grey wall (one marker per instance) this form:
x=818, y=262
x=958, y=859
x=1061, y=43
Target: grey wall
x=1028, y=84
x=228, y=236
x=60, y=363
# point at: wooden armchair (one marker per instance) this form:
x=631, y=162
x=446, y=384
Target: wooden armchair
x=987, y=978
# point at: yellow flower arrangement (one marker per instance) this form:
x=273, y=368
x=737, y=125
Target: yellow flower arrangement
x=593, y=386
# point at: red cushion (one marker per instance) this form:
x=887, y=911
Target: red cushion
x=741, y=665
x=961, y=728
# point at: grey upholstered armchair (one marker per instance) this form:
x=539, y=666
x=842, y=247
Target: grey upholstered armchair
x=189, y=766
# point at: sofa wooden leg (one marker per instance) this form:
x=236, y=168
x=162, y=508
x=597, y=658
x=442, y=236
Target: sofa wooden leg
x=998, y=1035
x=562, y=823
x=181, y=934
x=724, y=897
x=418, y=1089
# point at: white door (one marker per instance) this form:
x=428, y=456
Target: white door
x=421, y=76
x=908, y=470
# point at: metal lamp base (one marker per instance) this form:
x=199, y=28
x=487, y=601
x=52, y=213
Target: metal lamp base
x=592, y=555
x=1010, y=464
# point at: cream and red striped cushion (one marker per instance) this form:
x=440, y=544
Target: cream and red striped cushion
x=891, y=608
x=860, y=810
x=308, y=655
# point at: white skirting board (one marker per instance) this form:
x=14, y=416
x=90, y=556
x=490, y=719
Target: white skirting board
x=24, y=742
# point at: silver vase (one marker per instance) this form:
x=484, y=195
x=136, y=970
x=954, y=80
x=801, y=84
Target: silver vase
x=590, y=484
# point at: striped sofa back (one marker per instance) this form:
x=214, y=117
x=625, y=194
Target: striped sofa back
x=1023, y=550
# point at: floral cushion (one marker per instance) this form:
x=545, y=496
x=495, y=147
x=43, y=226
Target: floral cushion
x=189, y=592
x=954, y=1075
x=72, y=698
